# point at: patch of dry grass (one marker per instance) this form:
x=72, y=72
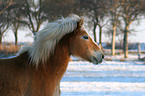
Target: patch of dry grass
x=8, y=50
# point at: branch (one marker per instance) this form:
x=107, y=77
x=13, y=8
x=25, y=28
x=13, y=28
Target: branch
x=30, y=18
x=10, y=3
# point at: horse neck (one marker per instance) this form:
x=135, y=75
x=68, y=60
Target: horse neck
x=57, y=63
x=59, y=60
x=52, y=71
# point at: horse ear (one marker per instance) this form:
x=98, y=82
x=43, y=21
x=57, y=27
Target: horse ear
x=81, y=22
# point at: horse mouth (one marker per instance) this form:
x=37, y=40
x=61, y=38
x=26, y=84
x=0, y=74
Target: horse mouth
x=95, y=61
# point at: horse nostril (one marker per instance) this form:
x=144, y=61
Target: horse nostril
x=103, y=56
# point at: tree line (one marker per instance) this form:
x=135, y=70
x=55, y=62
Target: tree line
x=116, y=15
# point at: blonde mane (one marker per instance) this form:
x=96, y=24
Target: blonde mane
x=47, y=38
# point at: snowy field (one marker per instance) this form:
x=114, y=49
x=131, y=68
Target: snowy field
x=111, y=78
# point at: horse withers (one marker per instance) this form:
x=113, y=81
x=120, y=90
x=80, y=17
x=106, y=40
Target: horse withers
x=38, y=69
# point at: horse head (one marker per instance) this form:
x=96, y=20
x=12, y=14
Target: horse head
x=83, y=46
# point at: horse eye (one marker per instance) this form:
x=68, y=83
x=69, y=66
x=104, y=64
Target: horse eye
x=85, y=37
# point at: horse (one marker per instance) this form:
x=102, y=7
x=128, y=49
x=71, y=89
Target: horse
x=37, y=69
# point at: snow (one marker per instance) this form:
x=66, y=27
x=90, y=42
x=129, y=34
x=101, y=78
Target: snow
x=111, y=78
x=131, y=57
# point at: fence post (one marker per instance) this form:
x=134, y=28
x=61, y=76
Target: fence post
x=139, y=51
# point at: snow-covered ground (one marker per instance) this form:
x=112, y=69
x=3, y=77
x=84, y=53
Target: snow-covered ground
x=131, y=57
x=111, y=78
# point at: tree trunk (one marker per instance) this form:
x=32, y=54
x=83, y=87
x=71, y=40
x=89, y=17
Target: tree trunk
x=100, y=37
x=16, y=38
x=125, y=44
x=34, y=33
x=15, y=30
x=1, y=35
x=139, y=51
x=113, y=41
x=94, y=32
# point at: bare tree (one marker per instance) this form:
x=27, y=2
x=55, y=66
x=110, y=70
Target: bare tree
x=15, y=28
x=15, y=19
x=37, y=12
x=96, y=10
x=130, y=11
x=32, y=15
x=4, y=17
x=114, y=11
x=3, y=29
x=4, y=23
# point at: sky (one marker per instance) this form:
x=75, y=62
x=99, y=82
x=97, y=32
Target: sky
x=139, y=35
x=140, y=32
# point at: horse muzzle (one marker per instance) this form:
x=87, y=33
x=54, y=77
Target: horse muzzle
x=97, y=57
